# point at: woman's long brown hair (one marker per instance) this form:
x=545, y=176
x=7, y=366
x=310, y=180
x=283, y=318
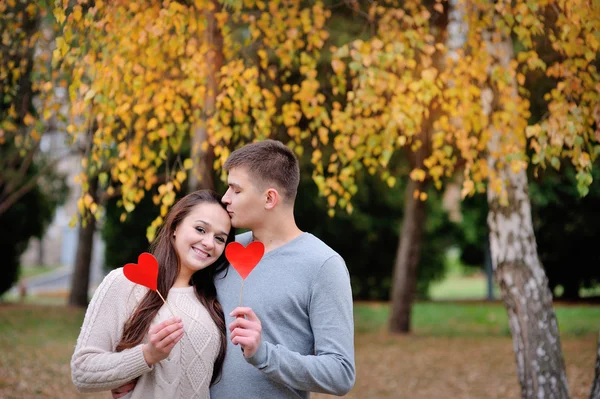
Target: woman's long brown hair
x=163, y=248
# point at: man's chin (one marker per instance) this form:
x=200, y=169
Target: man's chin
x=238, y=225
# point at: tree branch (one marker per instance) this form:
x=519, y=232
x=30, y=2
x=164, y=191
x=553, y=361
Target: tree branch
x=13, y=197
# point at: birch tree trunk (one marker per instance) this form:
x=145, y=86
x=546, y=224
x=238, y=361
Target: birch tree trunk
x=519, y=272
x=595, y=394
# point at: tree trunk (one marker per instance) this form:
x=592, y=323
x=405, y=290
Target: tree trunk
x=201, y=175
x=518, y=269
x=407, y=259
x=525, y=291
x=595, y=394
x=404, y=283
x=41, y=253
x=80, y=281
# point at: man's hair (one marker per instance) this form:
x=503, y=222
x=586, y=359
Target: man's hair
x=268, y=162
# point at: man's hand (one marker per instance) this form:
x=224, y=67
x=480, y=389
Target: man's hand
x=123, y=389
x=246, y=330
x=163, y=338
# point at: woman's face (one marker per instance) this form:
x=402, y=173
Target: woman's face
x=200, y=238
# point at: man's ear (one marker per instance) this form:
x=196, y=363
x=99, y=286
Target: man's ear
x=272, y=198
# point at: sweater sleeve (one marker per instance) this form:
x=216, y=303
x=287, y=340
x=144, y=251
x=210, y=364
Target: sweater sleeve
x=95, y=366
x=331, y=368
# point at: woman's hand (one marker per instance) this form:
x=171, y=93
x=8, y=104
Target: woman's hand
x=123, y=389
x=163, y=338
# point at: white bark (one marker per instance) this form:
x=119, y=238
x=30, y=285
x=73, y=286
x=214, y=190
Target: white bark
x=519, y=272
x=595, y=394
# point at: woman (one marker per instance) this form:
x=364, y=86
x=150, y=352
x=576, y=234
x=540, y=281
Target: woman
x=128, y=333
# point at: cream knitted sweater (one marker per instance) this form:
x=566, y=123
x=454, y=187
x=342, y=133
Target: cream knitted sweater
x=186, y=373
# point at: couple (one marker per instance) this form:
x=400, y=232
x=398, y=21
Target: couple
x=296, y=333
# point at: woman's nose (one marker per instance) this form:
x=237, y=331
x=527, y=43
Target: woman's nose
x=208, y=241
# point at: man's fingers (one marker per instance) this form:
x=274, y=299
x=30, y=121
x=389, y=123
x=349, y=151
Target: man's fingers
x=243, y=332
x=244, y=341
x=243, y=323
x=244, y=311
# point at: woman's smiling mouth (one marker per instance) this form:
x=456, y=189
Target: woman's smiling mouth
x=201, y=253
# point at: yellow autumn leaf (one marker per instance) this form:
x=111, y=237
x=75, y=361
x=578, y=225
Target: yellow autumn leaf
x=152, y=123
x=77, y=13
x=181, y=176
x=418, y=174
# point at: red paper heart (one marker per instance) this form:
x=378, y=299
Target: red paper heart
x=244, y=259
x=145, y=272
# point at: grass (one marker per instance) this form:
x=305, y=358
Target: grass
x=457, y=350
x=458, y=287
x=471, y=319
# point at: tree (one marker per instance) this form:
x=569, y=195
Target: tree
x=201, y=175
x=484, y=126
x=389, y=98
x=24, y=72
x=133, y=101
x=595, y=393
x=138, y=85
x=143, y=78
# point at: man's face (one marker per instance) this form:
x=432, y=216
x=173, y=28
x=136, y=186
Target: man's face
x=245, y=203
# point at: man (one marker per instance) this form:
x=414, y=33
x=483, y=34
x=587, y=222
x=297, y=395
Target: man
x=296, y=327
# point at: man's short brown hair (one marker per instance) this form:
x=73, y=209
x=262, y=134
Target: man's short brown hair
x=268, y=162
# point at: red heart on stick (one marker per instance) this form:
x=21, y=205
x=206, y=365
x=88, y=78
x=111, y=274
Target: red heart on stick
x=145, y=272
x=244, y=259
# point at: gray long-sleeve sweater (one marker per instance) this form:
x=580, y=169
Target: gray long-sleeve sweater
x=301, y=294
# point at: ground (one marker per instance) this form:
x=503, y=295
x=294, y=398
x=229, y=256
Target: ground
x=457, y=351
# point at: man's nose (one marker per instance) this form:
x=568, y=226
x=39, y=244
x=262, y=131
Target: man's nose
x=225, y=198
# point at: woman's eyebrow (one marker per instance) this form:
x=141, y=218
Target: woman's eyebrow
x=209, y=225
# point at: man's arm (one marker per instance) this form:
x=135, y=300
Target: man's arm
x=331, y=369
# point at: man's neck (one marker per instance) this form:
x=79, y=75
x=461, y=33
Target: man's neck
x=274, y=235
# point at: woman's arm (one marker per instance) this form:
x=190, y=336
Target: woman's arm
x=95, y=366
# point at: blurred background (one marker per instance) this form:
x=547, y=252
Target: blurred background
x=410, y=119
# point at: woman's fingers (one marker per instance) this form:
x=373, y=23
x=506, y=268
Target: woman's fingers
x=156, y=328
x=166, y=335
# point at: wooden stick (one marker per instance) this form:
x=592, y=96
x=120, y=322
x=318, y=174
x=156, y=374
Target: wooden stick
x=242, y=290
x=166, y=303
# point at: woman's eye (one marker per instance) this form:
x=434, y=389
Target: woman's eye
x=220, y=239
x=200, y=229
